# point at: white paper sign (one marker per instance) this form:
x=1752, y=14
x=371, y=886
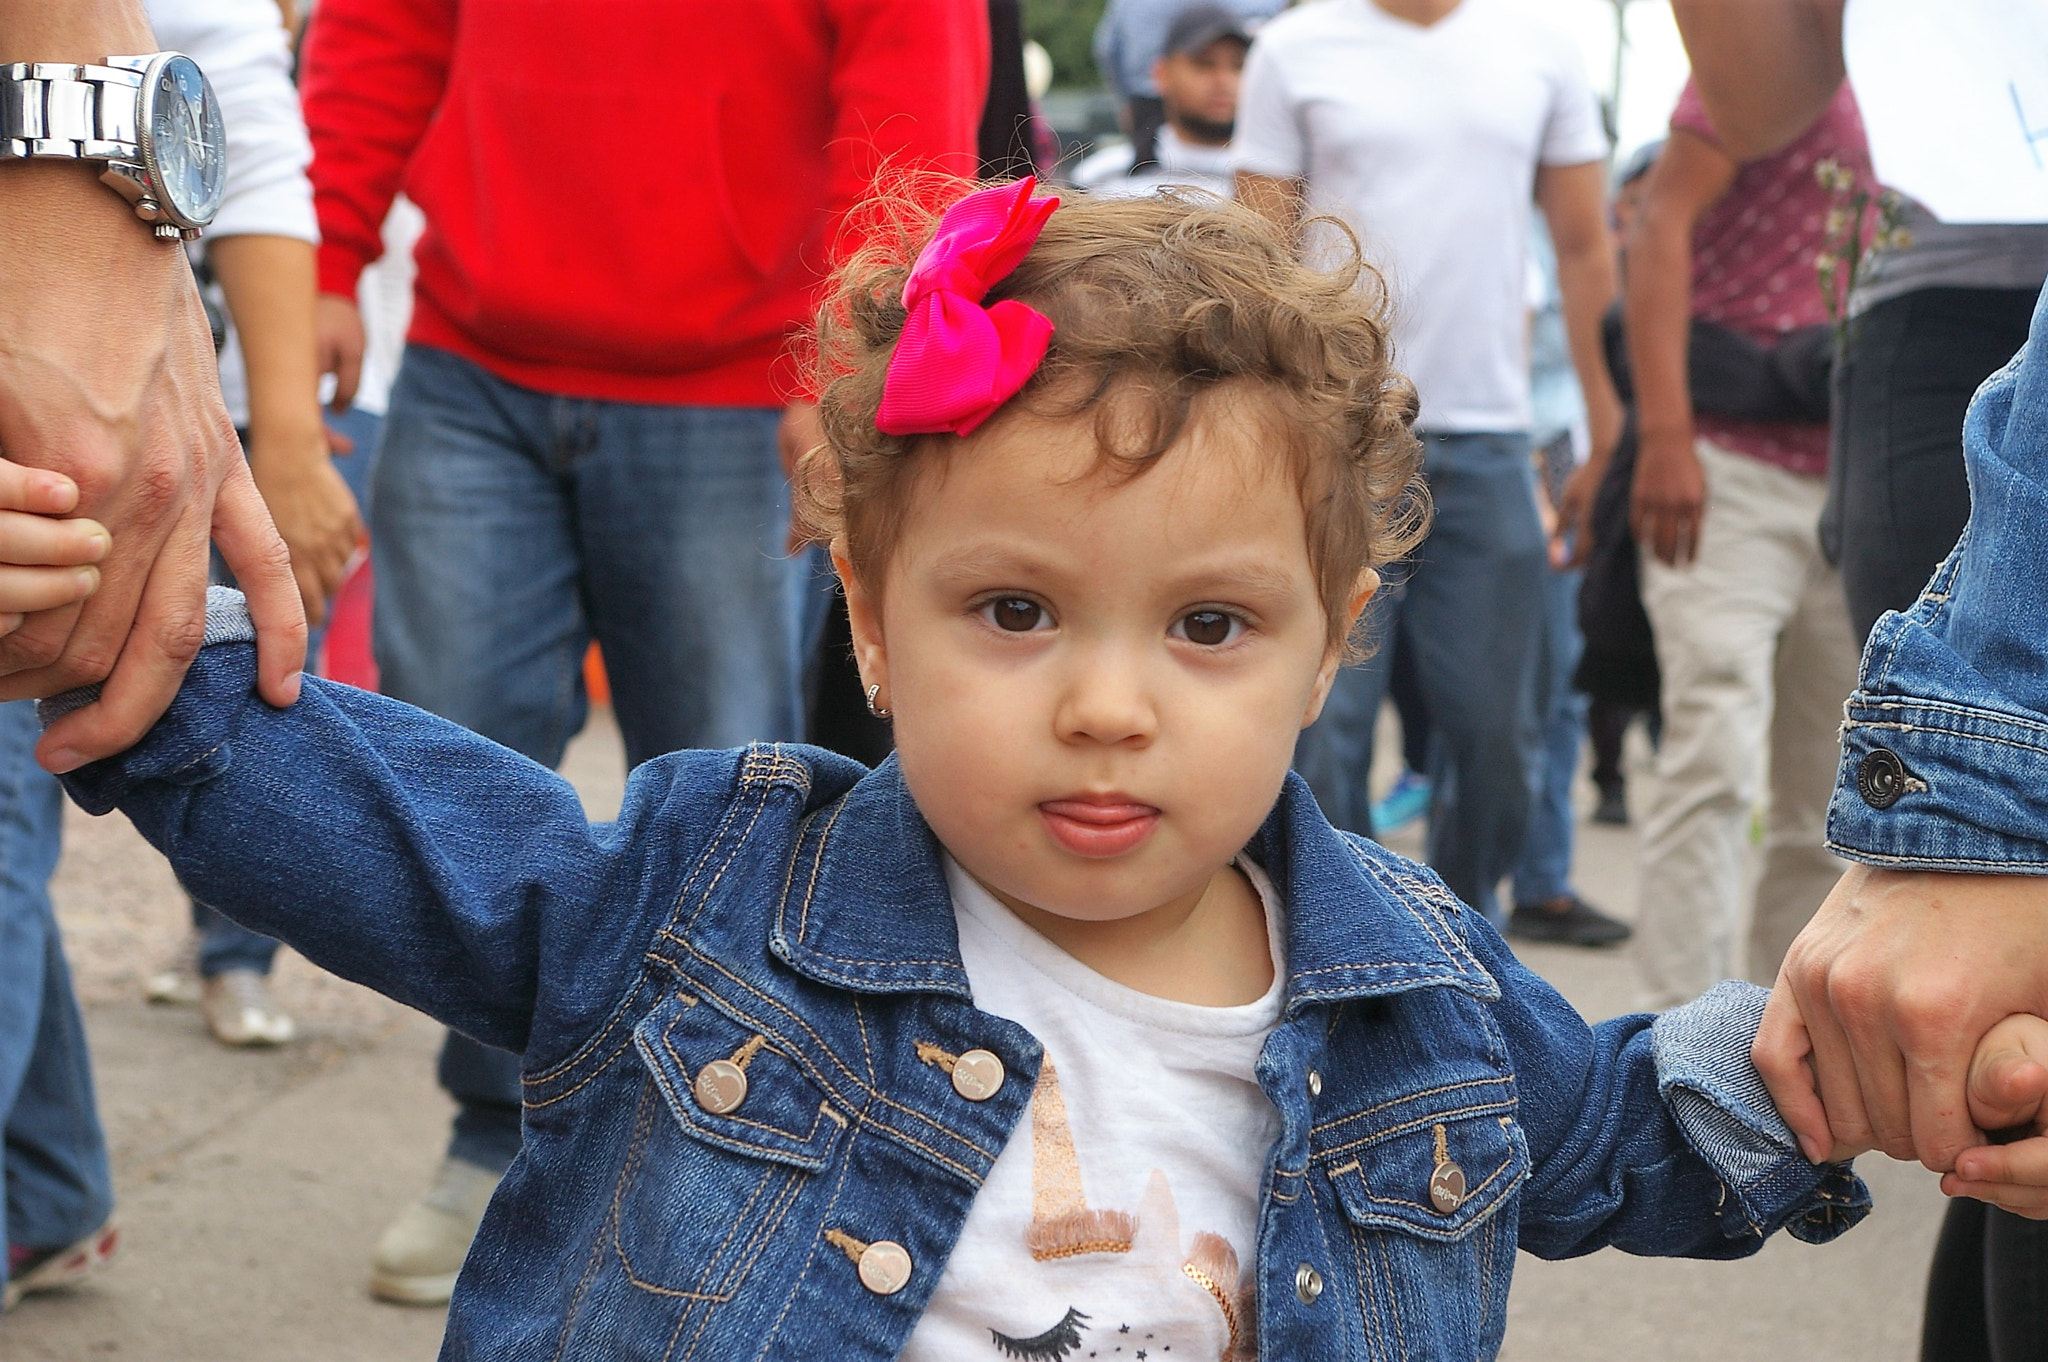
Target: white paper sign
x=1955, y=97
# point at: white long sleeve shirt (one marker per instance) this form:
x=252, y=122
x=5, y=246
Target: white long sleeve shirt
x=245, y=52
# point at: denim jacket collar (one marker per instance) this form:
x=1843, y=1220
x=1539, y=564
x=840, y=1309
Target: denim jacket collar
x=865, y=905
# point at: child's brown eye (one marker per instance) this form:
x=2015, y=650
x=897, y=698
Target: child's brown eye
x=1015, y=614
x=1210, y=628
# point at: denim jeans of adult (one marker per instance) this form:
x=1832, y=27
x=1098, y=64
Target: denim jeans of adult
x=1472, y=604
x=1753, y=642
x=1897, y=495
x=225, y=944
x=1545, y=870
x=1987, y=1294
x=54, y=1156
x=513, y=527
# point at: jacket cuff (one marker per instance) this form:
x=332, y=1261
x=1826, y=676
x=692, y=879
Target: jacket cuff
x=1935, y=785
x=1725, y=1112
x=189, y=743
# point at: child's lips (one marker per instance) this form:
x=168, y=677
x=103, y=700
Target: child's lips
x=1098, y=828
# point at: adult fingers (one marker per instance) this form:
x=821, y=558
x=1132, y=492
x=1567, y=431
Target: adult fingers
x=169, y=625
x=348, y=375
x=1874, y=1047
x=1780, y=1052
x=1834, y=1064
x=250, y=546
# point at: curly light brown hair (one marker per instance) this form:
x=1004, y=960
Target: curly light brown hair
x=1156, y=302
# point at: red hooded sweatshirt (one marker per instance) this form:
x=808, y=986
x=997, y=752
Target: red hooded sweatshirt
x=628, y=199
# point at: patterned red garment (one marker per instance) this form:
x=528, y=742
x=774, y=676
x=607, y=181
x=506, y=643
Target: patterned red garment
x=1754, y=258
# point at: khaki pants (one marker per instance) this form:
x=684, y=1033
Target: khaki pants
x=1754, y=643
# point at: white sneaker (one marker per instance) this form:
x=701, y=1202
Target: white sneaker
x=177, y=983
x=58, y=1269
x=418, y=1258
x=239, y=1011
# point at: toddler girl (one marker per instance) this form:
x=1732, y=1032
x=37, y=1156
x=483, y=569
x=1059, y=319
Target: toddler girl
x=1074, y=1030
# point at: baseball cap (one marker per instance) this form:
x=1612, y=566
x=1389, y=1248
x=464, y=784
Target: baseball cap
x=1200, y=24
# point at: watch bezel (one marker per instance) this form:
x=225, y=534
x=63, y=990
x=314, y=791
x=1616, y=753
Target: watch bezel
x=145, y=137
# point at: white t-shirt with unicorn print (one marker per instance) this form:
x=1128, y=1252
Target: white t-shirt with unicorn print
x=1118, y=1224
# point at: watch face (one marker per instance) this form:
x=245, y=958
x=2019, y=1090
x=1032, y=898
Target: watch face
x=187, y=145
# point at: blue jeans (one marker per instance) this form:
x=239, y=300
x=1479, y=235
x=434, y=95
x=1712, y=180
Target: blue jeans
x=58, y=1186
x=1473, y=606
x=513, y=527
x=223, y=944
x=1545, y=871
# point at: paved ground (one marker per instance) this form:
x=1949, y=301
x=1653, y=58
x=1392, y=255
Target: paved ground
x=254, y=1184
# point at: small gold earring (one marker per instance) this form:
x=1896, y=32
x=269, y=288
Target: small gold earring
x=879, y=711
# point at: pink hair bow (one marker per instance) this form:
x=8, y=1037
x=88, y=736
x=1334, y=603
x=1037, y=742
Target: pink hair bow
x=958, y=361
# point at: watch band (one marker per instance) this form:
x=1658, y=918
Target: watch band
x=82, y=113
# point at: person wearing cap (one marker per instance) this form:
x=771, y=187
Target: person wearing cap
x=1435, y=128
x=1197, y=78
x=1130, y=39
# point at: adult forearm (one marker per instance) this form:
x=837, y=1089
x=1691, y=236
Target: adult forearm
x=1765, y=68
x=1658, y=307
x=268, y=282
x=72, y=31
x=1587, y=283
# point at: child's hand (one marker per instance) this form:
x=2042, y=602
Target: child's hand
x=2008, y=1090
x=45, y=562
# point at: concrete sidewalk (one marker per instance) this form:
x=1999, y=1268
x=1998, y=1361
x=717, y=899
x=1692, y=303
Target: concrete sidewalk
x=254, y=1184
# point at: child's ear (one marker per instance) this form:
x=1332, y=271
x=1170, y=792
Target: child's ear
x=1333, y=656
x=864, y=613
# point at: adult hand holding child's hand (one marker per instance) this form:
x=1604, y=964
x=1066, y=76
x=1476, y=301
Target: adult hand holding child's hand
x=1886, y=994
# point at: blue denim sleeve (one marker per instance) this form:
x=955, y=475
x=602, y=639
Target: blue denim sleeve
x=1654, y=1134
x=1945, y=742
x=407, y=853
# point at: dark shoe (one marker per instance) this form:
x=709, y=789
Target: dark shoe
x=1570, y=922
x=1613, y=806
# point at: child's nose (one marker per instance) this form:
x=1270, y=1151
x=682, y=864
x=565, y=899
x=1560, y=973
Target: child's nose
x=1107, y=701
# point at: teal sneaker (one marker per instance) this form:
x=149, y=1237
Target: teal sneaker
x=1406, y=801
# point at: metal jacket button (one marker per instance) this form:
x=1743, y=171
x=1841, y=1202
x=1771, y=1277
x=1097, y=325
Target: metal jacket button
x=720, y=1087
x=1315, y=1084
x=885, y=1267
x=1447, y=1187
x=977, y=1075
x=1308, y=1284
x=1881, y=778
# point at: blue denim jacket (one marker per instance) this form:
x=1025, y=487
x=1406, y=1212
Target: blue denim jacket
x=1945, y=742
x=781, y=908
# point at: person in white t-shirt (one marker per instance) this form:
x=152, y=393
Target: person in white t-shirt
x=1433, y=128
x=1198, y=77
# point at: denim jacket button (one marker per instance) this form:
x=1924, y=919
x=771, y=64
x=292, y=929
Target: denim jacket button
x=1447, y=1187
x=977, y=1075
x=1881, y=778
x=720, y=1087
x=1308, y=1284
x=885, y=1267
x=1315, y=1083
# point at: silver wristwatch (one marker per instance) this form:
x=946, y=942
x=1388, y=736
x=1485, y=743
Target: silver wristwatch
x=153, y=120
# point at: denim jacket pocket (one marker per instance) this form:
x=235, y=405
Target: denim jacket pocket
x=729, y=1134
x=1431, y=1208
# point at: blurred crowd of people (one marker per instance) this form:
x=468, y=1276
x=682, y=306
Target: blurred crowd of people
x=1692, y=420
